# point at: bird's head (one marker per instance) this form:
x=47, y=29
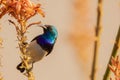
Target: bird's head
x=50, y=30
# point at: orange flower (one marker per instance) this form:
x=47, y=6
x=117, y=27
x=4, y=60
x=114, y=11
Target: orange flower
x=115, y=67
x=20, y=9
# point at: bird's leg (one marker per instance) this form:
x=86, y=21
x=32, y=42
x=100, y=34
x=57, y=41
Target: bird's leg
x=30, y=69
x=20, y=67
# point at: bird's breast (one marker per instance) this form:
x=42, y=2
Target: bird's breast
x=35, y=52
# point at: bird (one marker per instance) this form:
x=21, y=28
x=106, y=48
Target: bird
x=40, y=46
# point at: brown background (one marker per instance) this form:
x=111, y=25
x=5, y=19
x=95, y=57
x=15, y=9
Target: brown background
x=72, y=55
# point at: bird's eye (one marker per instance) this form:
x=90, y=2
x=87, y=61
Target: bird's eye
x=50, y=29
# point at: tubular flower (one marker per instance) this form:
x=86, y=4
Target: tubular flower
x=20, y=9
x=115, y=67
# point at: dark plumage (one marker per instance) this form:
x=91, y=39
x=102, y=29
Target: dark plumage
x=41, y=45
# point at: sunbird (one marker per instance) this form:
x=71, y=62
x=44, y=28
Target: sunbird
x=40, y=46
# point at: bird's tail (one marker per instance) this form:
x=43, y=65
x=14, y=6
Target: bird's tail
x=20, y=67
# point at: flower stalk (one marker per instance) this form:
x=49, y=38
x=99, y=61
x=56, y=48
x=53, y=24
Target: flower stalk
x=113, y=55
x=97, y=41
x=22, y=11
x=1, y=42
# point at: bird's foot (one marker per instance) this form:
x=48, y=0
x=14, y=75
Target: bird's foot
x=30, y=69
x=21, y=68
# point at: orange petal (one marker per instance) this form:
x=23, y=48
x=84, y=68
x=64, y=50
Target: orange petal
x=18, y=7
x=41, y=12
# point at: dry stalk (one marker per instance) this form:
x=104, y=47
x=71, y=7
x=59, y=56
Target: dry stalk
x=113, y=54
x=22, y=11
x=22, y=38
x=97, y=41
x=1, y=41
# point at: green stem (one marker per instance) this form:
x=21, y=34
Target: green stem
x=114, y=54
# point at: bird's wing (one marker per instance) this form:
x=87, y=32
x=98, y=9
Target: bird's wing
x=51, y=48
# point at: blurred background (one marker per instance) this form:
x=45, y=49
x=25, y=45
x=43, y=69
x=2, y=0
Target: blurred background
x=72, y=56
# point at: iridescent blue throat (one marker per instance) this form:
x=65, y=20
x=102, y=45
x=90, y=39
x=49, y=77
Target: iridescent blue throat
x=46, y=41
x=47, y=38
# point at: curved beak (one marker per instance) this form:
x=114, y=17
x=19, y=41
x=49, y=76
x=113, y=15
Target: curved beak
x=43, y=26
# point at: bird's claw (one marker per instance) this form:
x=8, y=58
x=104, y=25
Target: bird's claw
x=30, y=69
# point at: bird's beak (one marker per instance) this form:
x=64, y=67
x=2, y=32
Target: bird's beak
x=44, y=27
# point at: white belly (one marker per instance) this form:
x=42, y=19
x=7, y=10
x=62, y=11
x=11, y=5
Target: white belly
x=35, y=52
